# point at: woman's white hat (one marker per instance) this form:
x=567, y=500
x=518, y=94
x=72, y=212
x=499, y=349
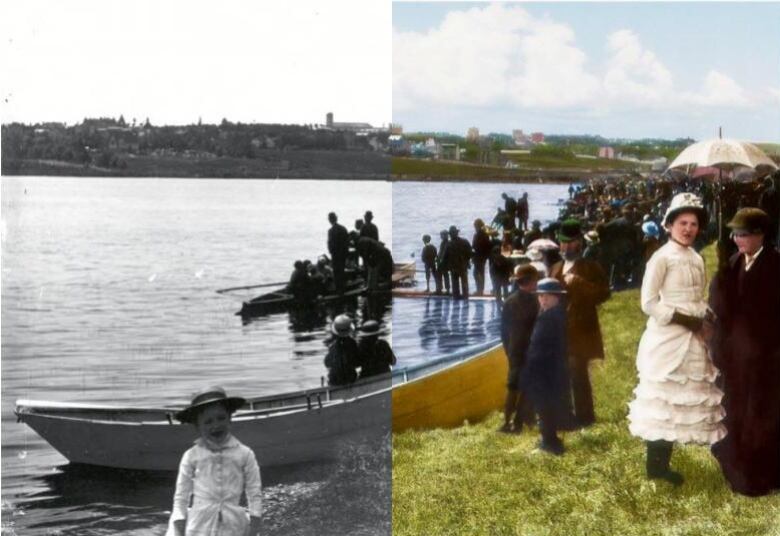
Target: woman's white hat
x=685, y=202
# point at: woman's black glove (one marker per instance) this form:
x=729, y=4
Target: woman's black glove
x=693, y=323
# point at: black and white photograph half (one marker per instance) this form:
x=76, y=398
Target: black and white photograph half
x=196, y=268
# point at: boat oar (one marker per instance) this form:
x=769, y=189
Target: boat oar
x=223, y=290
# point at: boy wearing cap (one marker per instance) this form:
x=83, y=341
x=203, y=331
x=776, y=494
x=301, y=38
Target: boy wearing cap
x=517, y=323
x=215, y=472
x=544, y=377
x=745, y=296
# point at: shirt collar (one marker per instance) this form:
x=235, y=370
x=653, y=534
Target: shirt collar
x=230, y=442
x=754, y=255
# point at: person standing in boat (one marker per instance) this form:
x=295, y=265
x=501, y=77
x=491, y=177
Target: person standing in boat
x=369, y=228
x=676, y=399
x=376, y=356
x=428, y=256
x=215, y=473
x=354, y=234
x=338, y=247
x=343, y=358
x=522, y=212
x=443, y=262
x=459, y=256
x=544, y=377
x=481, y=244
x=517, y=322
x=300, y=284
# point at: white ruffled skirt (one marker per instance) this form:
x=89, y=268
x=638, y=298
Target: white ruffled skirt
x=684, y=407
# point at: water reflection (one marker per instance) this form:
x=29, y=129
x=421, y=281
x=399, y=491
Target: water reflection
x=429, y=327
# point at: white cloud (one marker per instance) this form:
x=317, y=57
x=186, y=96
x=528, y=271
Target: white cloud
x=634, y=74
x=483, y=56
x=719, y=90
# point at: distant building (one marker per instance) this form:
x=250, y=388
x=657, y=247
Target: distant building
x=472, y=134
x=607, y=152
x=537, y=137
x=396, y=129
x=352, y=127
x=520, y=138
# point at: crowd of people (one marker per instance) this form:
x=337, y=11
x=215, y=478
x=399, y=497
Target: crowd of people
x=708, y=368
x=709, y=371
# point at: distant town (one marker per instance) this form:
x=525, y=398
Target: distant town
x=350, y=150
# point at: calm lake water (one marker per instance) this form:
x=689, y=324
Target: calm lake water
x=108, y=295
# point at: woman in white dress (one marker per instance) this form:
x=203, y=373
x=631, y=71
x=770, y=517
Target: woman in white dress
x=676, y=399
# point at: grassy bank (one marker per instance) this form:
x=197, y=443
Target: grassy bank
x=532, y=168
x=472, y=480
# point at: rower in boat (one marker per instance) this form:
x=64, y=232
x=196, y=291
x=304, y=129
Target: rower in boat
x=376, y=356
x=343, y=357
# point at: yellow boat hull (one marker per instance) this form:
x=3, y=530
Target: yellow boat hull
x=465, y=391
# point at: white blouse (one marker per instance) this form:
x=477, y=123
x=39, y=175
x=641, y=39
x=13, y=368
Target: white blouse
x=215, y=480
x=674, y=281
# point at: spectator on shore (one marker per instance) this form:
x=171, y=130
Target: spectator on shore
x=517, y=323
x=587, y=288
x=544, y=376
x=745, y=297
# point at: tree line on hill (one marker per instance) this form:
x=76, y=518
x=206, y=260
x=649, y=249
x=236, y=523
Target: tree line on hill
x=108, y=142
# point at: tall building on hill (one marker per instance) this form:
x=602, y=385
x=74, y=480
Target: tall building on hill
x=472, y=134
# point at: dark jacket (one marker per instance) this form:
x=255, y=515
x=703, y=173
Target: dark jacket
x=429, y=256
x=376, y=356
x=458, y=254
x=342, y=360
x=369, y=230
x=588, y=290
x=517, y=323
x=338, y=243
x=481, y=244
x=746, y=349
x=544, y=377
x=443, y=262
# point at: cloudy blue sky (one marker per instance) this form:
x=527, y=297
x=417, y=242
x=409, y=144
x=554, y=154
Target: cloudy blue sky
x=616, y=69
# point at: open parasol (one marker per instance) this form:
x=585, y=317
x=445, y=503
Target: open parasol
x=724, y=155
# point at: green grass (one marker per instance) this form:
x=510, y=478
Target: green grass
x=472, y=480
x=529, y=166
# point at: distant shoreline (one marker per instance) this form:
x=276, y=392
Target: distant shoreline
x=302, y=164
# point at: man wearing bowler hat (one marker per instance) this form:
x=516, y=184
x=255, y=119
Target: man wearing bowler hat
x=586, y=287
x=745, y=297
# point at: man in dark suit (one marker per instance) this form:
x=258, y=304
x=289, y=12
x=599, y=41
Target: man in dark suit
x=458, y=255
x=369, y=229
x=517, y=324
x=338, y=246
x=586, y=287
x=745, y=296
x=481, y=245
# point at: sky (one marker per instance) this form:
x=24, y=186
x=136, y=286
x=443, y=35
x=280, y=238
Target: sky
x=178, y=61
x=635, y=70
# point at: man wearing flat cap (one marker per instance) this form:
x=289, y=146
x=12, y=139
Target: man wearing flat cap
x=587, y=287
x=745, y=297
